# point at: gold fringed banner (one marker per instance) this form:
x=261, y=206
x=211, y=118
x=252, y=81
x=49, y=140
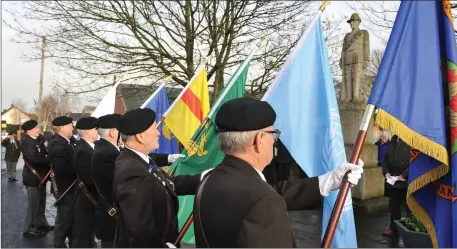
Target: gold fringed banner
x=426, y=146
x=412, y=138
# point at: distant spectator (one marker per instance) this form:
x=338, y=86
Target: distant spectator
x=382, y=144
x=396, y=164
x=12, y=153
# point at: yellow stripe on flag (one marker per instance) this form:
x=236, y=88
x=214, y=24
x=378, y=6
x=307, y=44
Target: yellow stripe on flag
x=186, y=116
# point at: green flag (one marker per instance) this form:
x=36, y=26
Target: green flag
x=204, y=154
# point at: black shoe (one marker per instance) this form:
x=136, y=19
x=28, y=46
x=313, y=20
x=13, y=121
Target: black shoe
x=46, y=228
x=9, y=179
x=34, y=234
x=14, y=180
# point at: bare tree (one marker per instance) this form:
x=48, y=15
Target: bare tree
x=334, y=36
x=145, y=41
x=54, y=105
x=20, y=104
x=380, y=15
x=20, y=114
x=375, y=62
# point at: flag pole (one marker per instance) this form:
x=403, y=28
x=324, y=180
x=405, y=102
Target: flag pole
x=190, y=219
x=197, y=72
x=224, y=93
x=156, y=91
x=344, y=189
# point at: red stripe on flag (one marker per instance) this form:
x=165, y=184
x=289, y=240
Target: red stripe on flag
x=193, y=102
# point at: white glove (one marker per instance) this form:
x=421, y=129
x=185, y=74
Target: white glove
x=173, y=157
x=204, y=173
x=332, y=180
x=170, y=245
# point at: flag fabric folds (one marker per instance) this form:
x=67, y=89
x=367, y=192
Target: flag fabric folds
x=106, y=106
x=304, y=99
x=159, y=103
x=204, y=152
x=415, y=93
x=190, y=110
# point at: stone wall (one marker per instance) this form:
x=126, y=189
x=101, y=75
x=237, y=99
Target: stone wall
x=372, y=183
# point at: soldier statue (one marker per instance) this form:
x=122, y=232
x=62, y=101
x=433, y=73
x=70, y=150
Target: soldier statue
x=355, y=57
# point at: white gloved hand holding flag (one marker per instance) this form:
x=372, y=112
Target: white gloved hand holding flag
x=173, y=157
x=332, y=180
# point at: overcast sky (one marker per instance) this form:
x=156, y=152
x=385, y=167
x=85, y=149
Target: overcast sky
x=20, y=79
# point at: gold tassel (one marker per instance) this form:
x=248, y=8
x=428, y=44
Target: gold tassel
x=422, y=215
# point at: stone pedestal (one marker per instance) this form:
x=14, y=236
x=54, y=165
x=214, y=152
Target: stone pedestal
x=372, y=182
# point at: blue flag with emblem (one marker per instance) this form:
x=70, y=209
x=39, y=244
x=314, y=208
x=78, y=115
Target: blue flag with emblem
x=160, y=104
x=415, y=93
x=309, y=120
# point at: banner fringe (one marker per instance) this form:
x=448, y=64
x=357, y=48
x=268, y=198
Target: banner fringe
x=412, y=138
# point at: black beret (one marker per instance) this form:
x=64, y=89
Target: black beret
x=108, y=121
x=29, y=124
x=61, y=121
x=245, y=114
x=86, y=123
x=136, y=121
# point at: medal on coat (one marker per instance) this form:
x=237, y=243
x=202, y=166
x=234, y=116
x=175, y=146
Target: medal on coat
x=38, y=148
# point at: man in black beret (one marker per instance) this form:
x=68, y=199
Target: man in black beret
x=61, y=150
x=85, y=193
x=36, y=165
x=235, y=206
x=103, y=159
x=146, y=196
x=12, y=154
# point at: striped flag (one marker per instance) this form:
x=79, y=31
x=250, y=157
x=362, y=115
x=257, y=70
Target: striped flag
x=189, y=109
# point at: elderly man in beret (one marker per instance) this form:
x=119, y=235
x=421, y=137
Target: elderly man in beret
x=36, y=165
x=103, y=159
x=61, y=150
x=85, y=194
x=146, y=196
x=12, y=154
x=235, y=206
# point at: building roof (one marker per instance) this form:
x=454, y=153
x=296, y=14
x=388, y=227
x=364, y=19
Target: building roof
x=77, y=115
x=88, y=109
x=30, y=115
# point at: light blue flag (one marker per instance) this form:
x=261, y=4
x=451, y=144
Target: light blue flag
x=304, y=99
x=159, y=103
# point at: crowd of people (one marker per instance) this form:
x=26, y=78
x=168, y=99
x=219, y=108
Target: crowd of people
x=109, y=185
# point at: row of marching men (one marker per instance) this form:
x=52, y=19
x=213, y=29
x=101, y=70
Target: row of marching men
x=137, y=202
x=81, y=174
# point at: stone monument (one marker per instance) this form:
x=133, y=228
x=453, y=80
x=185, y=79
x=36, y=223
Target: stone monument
x=355, y=89
x=355, y=57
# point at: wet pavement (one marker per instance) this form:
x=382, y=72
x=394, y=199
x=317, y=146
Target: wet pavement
x=306, y=225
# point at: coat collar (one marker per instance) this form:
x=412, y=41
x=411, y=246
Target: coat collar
x=85, y=144
x=129, y=153
x=237, y=163
x=105, y=143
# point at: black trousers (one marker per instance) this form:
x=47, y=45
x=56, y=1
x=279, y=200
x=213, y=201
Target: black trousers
x=84, y=221
x=64, y=220
x=397, y=200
